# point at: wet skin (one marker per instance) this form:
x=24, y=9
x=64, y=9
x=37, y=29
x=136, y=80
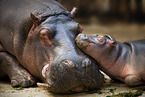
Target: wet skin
x=37, y=40
x=121, y=61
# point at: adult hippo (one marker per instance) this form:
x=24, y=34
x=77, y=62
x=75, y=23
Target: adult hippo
x=37, y=40
x=121, y=61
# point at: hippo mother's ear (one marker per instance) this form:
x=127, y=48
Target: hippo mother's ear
x=73, y=12
x=35, y=20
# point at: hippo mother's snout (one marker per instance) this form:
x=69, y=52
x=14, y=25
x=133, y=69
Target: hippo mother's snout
x=86, y=62
x=69, y=75
x=68, y=62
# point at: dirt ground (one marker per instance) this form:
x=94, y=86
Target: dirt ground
x=121, y=32
x=110, y=89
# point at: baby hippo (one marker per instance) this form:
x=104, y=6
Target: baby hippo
x=121, y=61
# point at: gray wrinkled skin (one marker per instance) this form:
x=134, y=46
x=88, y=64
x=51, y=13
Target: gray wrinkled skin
x=121, y=61
x=37, y=40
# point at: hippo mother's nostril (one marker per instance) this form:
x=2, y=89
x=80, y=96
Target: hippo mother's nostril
x=68, y=62
x=86, y=62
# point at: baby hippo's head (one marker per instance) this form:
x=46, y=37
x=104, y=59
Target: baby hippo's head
x=96, y=46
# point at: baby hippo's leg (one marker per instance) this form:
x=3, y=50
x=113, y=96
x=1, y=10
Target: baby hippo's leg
x=18, y=75
x=132, y=80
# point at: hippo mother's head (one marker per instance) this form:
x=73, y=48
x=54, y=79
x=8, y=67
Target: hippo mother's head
x=52, y=55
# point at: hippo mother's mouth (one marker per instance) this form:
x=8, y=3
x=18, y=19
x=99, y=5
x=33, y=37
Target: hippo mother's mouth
x=74, y=89
x=69, y=76
x=44, y=70
x=44, y=85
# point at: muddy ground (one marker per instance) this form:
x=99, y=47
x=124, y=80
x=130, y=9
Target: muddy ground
x=121, y=32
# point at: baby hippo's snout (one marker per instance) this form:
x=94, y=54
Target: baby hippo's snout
x=82, y=36
x=74, y=76
x=83, y=41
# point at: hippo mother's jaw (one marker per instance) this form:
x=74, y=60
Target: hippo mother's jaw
x=71, y=75
x=75, y=89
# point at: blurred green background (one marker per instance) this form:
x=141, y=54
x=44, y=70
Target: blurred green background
x=123, y=19
x=127, y=10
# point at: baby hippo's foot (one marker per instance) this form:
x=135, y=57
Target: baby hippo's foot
x=132, y=80
x=18, y=75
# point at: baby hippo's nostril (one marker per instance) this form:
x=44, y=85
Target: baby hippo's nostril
x=86, y=62
x=68, y=62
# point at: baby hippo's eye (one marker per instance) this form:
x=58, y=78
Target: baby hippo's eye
x=101, y=39
x=46, y=33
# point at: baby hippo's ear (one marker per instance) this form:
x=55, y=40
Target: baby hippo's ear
x=73, y=12
x=112, y=43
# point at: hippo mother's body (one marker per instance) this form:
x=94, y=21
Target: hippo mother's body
x=121, y=61
x=40, y=35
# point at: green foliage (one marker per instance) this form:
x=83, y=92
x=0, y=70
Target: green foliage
x=128, y=94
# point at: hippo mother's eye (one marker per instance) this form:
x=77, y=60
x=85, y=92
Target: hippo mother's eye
x=45, y=37
x=46, y=33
